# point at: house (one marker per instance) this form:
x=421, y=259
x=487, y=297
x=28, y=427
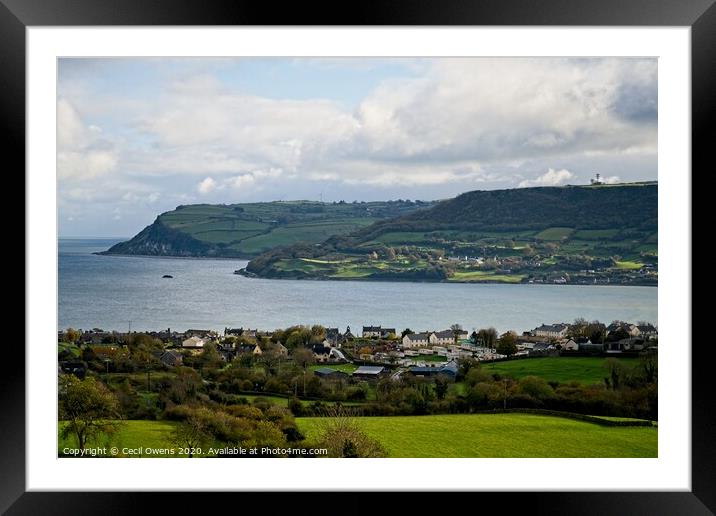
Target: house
x=632, y=344
x=171, y=358
x=330, y=373
x=447, y=337
x=279, y=349
x=570, y=345
x=371, y=331
x=253, y=349
x=334, y=337
x=348, y=335
x=369, y=372
x=321, y=353
x=551, y=331
x=590, y=347
x=200, y=333
x=414, y=340
x=193, y=342
x=630, y=329
x=648, y=331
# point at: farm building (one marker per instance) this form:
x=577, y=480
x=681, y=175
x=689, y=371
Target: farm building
x=329, y=373
x=369, y=372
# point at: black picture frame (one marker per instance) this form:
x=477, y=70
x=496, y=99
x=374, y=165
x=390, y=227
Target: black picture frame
x=700, y=15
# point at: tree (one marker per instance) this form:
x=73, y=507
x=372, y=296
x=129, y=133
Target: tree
x=507, y=344
x=318, y=333
x=441, y=388
x=210, y=357
x=456, y=331
x=406, y=331
x=616, y=373
x=190, y=434
x=487, y=337
x=648, y=365
x=579, y=328
x=72, y=335
x=303, y=357
x=88, y=408
x=342, y=436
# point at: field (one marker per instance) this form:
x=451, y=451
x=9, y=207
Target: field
x=499, y=435
x=586, y=370
x=554, y=233
x=247, y=229
x=628, y=265
x=474, y=435
x=133, y=434
x=478, y=276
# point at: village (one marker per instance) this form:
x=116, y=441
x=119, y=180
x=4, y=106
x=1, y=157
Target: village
x=377, y=352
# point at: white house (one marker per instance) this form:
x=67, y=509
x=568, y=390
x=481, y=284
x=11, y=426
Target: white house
x=371, y=331
x=552, y=331
x=193, y=342
x=415, y=340
x=447, y=337
x=570, y=345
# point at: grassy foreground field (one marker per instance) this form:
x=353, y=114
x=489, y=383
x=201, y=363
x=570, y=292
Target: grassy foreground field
x=499, y=435
x=464, y=435
x=585, y=370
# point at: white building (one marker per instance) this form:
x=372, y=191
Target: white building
x=193, y=342
x=552, y=331
x=415, y=340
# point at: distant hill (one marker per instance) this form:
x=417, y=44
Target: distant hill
x=632, y=206
x=591, y=234
x=245, y=230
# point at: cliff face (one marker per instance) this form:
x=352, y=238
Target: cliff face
x=159, y=240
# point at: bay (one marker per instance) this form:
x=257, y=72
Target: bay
x=116, y=292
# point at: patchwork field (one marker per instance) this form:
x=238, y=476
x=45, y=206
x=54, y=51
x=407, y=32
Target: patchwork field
x=586, y=370
x=245, y=230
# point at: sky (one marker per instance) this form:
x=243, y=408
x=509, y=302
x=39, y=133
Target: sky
x=139, y=136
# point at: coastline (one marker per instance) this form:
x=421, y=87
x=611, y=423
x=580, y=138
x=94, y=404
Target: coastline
x=365, y=279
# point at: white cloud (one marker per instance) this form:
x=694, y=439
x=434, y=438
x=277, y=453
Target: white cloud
x=81, y=153
x=206, y=186
x=550, y=178
x=241, y=181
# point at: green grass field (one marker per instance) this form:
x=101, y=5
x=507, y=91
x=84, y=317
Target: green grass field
x=132, y=434
x=554, y=233
x=499, y=435
x=586, y=370
x=477, y=276
x=629, y=265
x=468, y=435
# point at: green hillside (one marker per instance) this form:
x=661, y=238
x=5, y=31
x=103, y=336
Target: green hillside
x=245, y=230
x=575, y=234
